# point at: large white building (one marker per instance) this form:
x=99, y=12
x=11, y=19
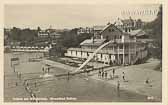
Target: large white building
x=124, y=49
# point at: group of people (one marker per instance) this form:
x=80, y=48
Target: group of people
x=103, y=74
x=29, y=90
x=46, y=70
x=26, y=85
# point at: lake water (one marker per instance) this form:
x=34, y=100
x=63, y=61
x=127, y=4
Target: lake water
x=74, y=89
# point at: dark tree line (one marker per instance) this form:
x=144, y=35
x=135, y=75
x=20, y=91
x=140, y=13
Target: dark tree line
x=71, y=39
x=156, y=34
x=68, y=39
x=25, y=36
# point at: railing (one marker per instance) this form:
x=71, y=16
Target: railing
x=106, y=51
x=92, y=55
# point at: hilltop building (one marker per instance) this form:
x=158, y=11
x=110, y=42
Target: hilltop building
x=48, y=33
x=84, y=30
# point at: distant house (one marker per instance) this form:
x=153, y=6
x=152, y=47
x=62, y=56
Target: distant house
x=43, y=34
x=84, y=30
x=127, y=25
x=49, y=33
x=97, y=29
x=54, y=35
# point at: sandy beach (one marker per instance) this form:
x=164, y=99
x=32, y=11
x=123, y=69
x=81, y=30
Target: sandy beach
x=135, y=76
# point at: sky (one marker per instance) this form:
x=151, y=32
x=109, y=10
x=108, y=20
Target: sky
x=70, y=16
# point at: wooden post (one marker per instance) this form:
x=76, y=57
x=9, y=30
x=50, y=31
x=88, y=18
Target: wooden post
x=118, y=53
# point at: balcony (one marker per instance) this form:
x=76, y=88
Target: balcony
x=105, y=51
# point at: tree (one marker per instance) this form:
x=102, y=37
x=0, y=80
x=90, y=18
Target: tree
x=156, y=33
x=38, y=29
x=25, y=36
x=71, y=39
x=15, y=34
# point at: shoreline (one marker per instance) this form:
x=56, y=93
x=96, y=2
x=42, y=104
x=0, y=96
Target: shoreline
x=123, y=86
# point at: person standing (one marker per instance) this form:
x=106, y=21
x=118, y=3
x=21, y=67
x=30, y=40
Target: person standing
x=113, y=73
x=68, y=75
x=48, y=69
x=105, y=74
x=43, y=70
x=99, y=74
x=147, y=81
x=102, y=74
x=123, y=76
x=19, y=75
x=35, y=84
x=16, y=84
x=118, y=88
x=118, y=85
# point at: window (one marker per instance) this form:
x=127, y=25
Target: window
x=111, y=30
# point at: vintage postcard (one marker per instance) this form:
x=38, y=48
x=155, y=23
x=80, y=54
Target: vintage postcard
x=83, y=52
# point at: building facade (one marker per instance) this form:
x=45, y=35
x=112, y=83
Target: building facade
x=43, y=34
x=124, y=48
x=87, y=30
x=49, y=33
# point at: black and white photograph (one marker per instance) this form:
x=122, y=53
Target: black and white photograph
x=82, y=53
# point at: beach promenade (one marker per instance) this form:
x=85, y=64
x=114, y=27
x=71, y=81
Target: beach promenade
x=135, y=78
